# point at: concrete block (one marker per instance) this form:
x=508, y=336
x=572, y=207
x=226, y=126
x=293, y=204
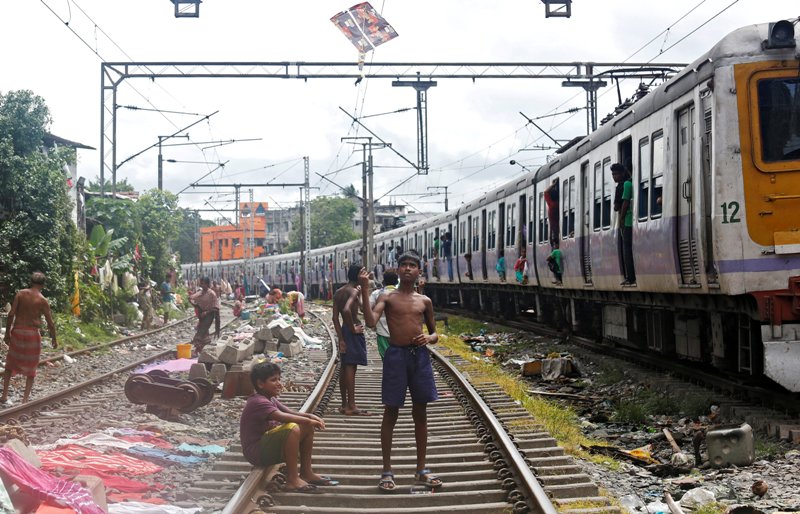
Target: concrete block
x=27, y=454
x=95, y=487
x=237, y=383
x=237, y=352
x=264, y=334
x=785, y=429
x=291, y=350
x=210, y=354
x=281, y=330
x=271, y=346
x=198, y=370
x=218, y=371
x=258, y=346
x=794, y=436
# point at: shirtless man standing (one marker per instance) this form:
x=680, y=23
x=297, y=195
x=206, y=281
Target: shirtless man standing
x=406, y=363
x=23, y=340
x=352, y=345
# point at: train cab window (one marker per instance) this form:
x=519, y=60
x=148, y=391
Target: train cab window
x=644, y=178
x=657, y=167
x=568, y=198
x=779, y=119
x=511, y=225
x=598, y=196
x=608, y=191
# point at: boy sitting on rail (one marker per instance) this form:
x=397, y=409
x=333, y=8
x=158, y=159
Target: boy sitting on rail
x=272, y=432
x=406, y=364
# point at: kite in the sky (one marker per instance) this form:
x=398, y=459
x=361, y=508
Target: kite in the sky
x=365, y=28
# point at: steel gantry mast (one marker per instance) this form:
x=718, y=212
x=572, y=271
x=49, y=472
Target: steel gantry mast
x=112, y=74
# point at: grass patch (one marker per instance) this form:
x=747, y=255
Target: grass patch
x=74, y=334
x=694, y=406
x=710, y=508
x=767, y=450
x=459, y=325
x=610, y=376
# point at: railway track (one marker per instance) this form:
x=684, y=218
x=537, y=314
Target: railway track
x=487, y=450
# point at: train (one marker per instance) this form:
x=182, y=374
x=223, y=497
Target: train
x=714, y=155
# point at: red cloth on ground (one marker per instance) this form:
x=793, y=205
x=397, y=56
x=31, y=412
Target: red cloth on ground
x=116, y=482
x=152, y=439
x=79, y=457
x=45, y=486
x=24, y=349
x=134, y=497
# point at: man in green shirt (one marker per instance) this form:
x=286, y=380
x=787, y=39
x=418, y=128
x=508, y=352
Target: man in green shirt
x=623, y=176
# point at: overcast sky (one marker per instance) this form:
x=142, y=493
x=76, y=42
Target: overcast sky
x=474, y=127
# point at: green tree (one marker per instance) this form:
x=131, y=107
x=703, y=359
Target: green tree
x=122, y=186
x=36, y=230
x=332, y=222
x=161, y=222
x=186, y=244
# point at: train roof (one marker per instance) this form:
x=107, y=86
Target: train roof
x=745, y=42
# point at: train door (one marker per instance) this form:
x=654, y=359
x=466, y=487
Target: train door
x=523, y=221
x=501, y=227
x=708, y=226
x=483, y=245
x=687, y=242
x=586, y=254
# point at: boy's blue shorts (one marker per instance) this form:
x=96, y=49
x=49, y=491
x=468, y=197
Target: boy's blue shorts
x=407, y=367
x=355, y=349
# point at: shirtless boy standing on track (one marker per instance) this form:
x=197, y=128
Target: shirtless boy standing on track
x=406, y=364
x=352, y=345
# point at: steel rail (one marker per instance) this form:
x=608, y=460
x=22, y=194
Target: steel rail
x=243, y=495
x=537, y=498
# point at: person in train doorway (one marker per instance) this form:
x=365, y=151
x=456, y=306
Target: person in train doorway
x=500, y=267
x=406, y=364
x=352, y=344
x=554, y=263
x=447, y=250
x=521, y=267
x=382, y=329
x=22, y=335
x=622, y=177
x=207, y=305
x=551, y=202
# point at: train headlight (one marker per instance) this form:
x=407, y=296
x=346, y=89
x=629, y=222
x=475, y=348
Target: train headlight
x=780, y=35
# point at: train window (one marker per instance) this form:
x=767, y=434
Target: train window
x=657, y=174
x=778, y=115
x=598, y=196
x=608, y=191
x=644, y=178
x=476, y=239
x=530, y=219
x=511, y=225
x=569, y=199
x=462, y=237
x=492, y=231
x=544, y=230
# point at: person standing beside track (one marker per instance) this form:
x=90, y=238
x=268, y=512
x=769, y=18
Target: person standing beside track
x=382, y=329
x=406, y=364
x=352, y=344
x=207, y=305
x=22, y=334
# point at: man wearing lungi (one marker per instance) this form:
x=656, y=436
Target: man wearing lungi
x=22, y=334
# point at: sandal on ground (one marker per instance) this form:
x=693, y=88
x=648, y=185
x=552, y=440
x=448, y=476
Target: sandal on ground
x=387, y=484
x=306, y=489
x=426, y=478
x=324, y=481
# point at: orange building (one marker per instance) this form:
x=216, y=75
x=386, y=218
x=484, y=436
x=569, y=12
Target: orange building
x=226, y=242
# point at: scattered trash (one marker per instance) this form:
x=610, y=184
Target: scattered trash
x=68, y=359
x=697, y=497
